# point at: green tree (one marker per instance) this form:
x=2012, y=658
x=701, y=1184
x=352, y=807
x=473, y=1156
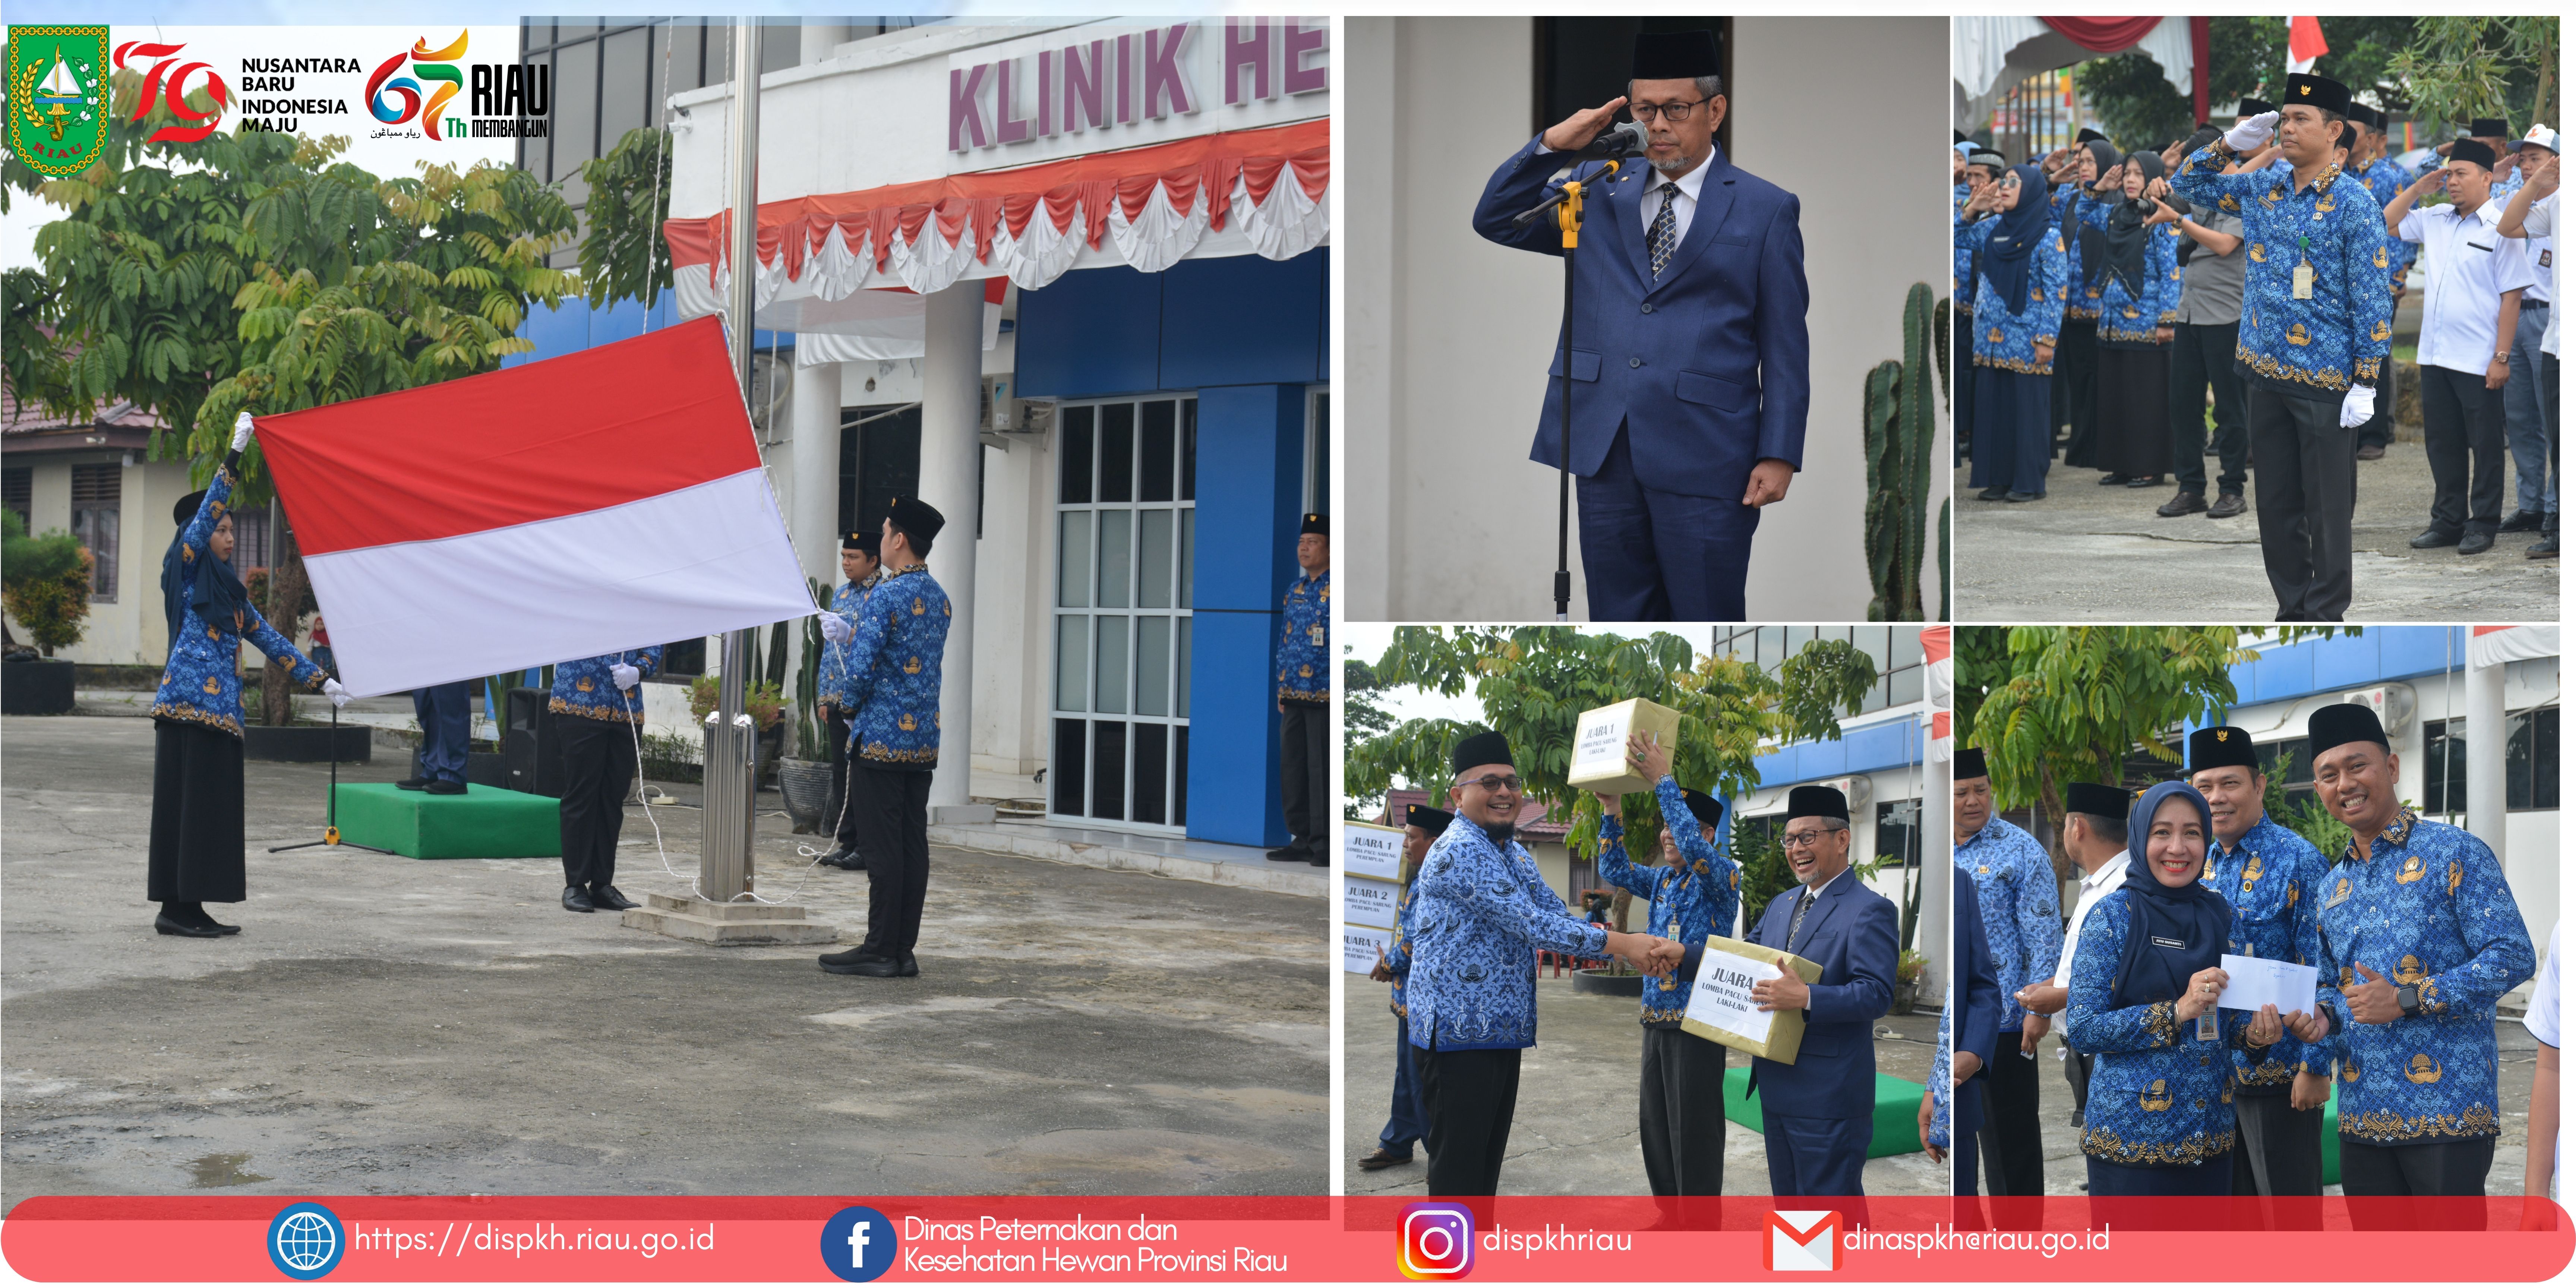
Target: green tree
x=44, y=582
x=1363, y=716
x=2138, y=107
x=2307, y=816
x=624, y=256
x=2458, y=69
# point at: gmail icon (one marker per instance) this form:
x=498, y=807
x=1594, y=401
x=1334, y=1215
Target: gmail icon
x=1804, y=1241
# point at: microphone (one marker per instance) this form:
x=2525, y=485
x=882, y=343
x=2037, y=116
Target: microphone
x=1626, y=139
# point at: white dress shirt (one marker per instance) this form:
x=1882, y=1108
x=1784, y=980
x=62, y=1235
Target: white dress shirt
x=2539, y=224
x=1685, y=198
x=2103, y=880
x=2468, y=266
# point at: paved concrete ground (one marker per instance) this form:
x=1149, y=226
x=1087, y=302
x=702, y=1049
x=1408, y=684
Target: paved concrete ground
x=2516, y=1051
x=2095, y=554
x=385, y=1025
x=1576, y=1130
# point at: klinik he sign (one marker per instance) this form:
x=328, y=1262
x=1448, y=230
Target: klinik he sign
x=1124, y=83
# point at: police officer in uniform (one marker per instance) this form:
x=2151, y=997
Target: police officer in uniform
x=1305, y=686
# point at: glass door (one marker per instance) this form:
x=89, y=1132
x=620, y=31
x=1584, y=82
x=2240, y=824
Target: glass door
x=1126, y=519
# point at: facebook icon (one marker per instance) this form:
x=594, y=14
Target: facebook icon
x=859, y=1244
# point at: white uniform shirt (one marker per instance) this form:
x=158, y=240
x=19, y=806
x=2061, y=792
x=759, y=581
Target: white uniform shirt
x=1685, y=199
x=2542, y=1020
x=2103, y=881
x=2539, y=224
x=2468, y=266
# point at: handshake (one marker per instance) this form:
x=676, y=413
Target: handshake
x=1649, y=954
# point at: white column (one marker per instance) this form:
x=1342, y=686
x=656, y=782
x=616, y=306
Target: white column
x=952, y=382
x=814, y=429
x=1932, y=927
x=2486, y=756
x=814, y=42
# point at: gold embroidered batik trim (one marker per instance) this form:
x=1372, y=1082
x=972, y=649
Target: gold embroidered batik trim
x=2380, y=1126
x=2321, y=378
x=2200, y=1147
x=613, y=714
x=192, y=715
x=884, y=754
x=2160, y=1024
x=2016, y=364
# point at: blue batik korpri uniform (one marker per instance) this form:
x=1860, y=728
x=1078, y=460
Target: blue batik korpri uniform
x=1685, y=904
x=2314, y=347
x=201, y=683
x=1303, y=682
x=2269, y=877
x=1405, y=1121
x=832, y=669
x=600, y=727
x=1480, y=915
x=2011, y=436
x=1305, y=653
x=1681, y=1123
x=2424, y=904
x=2161, y=1093
x=2006, y=340
x=2132, y=318
x=584, y=687
x=2017, y=895
x=890, y=678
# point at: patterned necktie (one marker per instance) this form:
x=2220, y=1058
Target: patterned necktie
x=1659, y=239
x=1806, y=900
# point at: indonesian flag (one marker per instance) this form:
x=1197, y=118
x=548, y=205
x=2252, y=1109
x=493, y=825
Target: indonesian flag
x=604, y=500
x=2497, y=645
x=1936, y=665
x=2307, y=43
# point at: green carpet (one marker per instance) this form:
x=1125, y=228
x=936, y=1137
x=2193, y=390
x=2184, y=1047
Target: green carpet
x=484, y=823
x=1891, y=1129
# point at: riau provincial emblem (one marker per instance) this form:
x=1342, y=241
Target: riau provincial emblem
x=57, y=97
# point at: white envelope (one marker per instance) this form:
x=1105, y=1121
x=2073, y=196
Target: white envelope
x=1805, y=1240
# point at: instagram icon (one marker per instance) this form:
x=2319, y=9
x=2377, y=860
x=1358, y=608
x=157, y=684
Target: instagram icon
x=1436, y=1241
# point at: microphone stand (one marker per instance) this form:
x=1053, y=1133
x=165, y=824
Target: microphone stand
x=331, y=806
x=1567, y=202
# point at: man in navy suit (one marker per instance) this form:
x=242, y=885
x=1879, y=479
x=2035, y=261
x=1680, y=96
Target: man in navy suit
x=1690, y=342
x=1974, y=1020
x=1816, y=1110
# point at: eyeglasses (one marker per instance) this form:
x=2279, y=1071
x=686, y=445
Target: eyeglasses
x=1674, y=112
x=1494, y=783
x=1801, y=840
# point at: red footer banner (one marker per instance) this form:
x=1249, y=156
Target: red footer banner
x=1281, y=1240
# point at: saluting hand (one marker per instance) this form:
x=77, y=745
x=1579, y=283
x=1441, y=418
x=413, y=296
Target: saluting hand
x=1582, y=127
x=2543, y=180
x=2373, y=1000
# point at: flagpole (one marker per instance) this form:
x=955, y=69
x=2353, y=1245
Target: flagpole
x=724, y=857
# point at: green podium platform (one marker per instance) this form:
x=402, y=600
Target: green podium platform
x=484, y=823
x=1891, y=1127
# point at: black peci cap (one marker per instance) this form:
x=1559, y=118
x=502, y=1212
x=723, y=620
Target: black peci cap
x=1816, y=801
x=915, y=517
x=2252, y=107
x=1434, y=821
x=2221, y=745
x=1970, y=763
x=1484, y=748
x=2340, y=723
x=866, y=541
x=2097, y=800
x=2473, y=150
x=1316, y=525
x=1674, y=55
x=2320, y=92
x=2489, y=127
x=186, y=509
x=1704, y=807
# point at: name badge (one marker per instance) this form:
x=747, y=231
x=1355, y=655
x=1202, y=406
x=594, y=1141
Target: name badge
x=2343, y=891
x=2162, y=942
x=2303, y=282
x=2207, y=1029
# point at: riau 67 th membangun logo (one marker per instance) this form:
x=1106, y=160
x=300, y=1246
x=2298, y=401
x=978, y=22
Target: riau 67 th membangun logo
x=57, y=97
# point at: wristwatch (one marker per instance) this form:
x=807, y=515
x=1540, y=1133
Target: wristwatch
x=2410, y=999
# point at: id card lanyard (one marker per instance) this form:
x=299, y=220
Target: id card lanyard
x=2303, y=279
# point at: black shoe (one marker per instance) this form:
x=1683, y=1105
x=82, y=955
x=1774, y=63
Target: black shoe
x=606, y=896
x=2370, y=452
x=850, y=861
x=2545, y=548
x=1287, y=854
x=2230, y=504
x=413, y=784
x=577, y=899
x=834, y=859
x=1995, y=493
x=2018, y=497
x=1321, y=860
x=2113, y=480
x=2183, y=503
x=1378, y=1159
x=2477, y=542
x=2433, y=539
x=2152, y=480
x=445, y=787
x=169, y=925
x=910, y=967
x=859, y=961
x=2522, y=521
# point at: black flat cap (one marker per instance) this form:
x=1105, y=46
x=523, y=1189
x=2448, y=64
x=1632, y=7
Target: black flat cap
x=2253, y=107
x=2320, y=92
x=2222, y=745
x=2341, y=723
x=2473, y=150
x=1970, y=763
x=916, y=518
x=1486, y=748
x=2489, y=127
x=1674, y=55
x=1704, y=807
x=2097, y=800
x=859, y=541
x=1434, y=821
x=186, y=509
x=1315, y=524
x=2088, y=134
x=1816, y=801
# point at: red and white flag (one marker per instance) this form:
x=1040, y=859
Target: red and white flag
x=2307, y=43
x=1936, y=665
x=604, y=500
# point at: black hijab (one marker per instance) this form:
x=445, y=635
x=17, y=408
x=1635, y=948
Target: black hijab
x=2173, y=933
x=2122, y=246
x=205, y=583
x=2005, y=258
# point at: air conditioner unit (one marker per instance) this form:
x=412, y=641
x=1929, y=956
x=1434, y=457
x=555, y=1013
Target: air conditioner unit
x=1855, y=789
x=2393, y=703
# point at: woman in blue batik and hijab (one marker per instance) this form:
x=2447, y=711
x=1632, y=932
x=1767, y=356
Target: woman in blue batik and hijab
x=2019, y=262
x=197, y=826
x=2159, y=1116
x=2130, y=269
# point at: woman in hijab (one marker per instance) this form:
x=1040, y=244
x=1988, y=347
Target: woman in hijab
x=197, y=831
x=2130, y=267
x=2160, y=1117
x=2018, y=260
x=2097, y=180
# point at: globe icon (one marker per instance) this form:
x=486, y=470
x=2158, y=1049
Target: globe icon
x=305, y=1241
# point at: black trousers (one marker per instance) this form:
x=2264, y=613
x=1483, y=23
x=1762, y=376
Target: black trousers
x=1305, y=786
x=2009, y=1138
x=2204, y=363
x=836, y=812
x=2464, y=438
x=2079, y=1075
x=890, y=812
x=2303, y=488
x=1681, y=1115
x=2075, y=357
x=2279, y=1152
x=1963, y=381
x=2453, y=1168
x=1470, y=1097
x=197, y=835
x=599, y=768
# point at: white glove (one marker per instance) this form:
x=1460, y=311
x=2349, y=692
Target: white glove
x=623, y=676
x=2357, y=403
x=241, y=431
x=339, y=696
x=2253, y=132
x=837, y=629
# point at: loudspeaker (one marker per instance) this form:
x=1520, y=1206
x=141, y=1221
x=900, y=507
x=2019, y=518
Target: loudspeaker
x=530, y=745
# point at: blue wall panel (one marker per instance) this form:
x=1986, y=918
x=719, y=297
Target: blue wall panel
x=1243, y=320
x=2334, y=665
x=1889, y=744
x=1091, y=332
x=1250, y=479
